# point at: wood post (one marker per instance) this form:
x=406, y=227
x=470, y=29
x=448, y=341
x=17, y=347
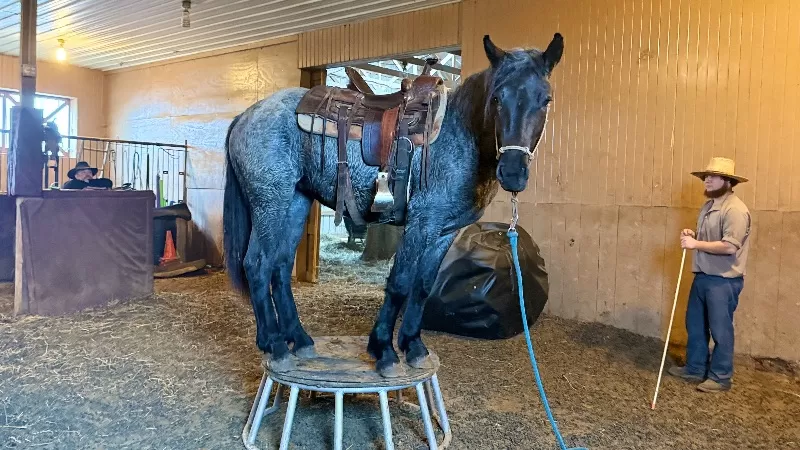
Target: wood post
x=27, y=53
x=26, y=160
x=307, y=256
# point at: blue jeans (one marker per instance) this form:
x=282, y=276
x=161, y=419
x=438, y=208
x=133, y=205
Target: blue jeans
x=712, y=301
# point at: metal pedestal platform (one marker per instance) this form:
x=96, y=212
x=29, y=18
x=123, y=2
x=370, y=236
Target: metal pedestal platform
x=343, y=367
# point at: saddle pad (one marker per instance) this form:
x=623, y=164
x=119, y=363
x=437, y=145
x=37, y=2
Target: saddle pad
x=312, y=123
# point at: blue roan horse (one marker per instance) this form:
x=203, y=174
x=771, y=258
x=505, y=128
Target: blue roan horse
x=492, y=125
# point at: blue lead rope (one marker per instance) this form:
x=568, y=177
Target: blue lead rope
x=512, y=235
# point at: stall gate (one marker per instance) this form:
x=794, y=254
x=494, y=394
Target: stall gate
x=143, y=165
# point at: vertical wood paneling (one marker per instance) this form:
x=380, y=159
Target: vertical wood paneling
x=733, y=49
x=84, y=85
x=557, y=259
x=619, y=265
x=424, y=29
x=788, y=306
x=607, y=265
x=589, y=256
x=629, y=244
x=768, y=107
x=648, y=321
x=765, y=278
x=570, y=112
x=780, y=33
x=790, y=99
x=665, y=103
x=794, y=148
x=648, y=91
x=593, y=132
x=570, y=300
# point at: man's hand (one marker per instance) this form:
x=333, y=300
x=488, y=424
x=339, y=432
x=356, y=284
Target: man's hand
x=714, y=247
x=687, y=232
x=688, y=242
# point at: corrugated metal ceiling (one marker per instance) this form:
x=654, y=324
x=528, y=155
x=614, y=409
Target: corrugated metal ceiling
x=112, y=34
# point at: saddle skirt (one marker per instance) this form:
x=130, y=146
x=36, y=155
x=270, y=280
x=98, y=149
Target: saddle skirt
x=373, y=118
x=378, y=122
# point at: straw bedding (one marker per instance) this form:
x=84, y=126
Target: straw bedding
x=179, y=369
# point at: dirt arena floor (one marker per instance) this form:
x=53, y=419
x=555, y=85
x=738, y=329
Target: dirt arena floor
x=179, y=370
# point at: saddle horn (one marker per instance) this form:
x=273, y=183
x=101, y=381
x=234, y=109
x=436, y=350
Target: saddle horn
x=429, y=63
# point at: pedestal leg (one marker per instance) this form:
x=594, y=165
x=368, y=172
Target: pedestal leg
x=440, y=405
x=289, y=421
x=338, y=425
x=278, y=393
x=255, y=416
x=431, y=404
x=387, y=420
x=426, y=417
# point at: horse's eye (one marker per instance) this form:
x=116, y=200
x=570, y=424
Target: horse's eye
x=495, y=100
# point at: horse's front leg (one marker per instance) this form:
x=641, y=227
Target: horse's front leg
x=409, y=339
x=398, y=288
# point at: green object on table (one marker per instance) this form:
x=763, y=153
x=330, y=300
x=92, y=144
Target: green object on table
x=162, y=202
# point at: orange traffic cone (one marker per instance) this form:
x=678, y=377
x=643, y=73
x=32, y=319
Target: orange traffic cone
x=170, y=254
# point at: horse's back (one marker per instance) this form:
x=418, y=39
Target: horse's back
x=265, y=128
x=278, y=104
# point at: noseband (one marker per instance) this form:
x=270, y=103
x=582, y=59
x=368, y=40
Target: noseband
x=531, y=153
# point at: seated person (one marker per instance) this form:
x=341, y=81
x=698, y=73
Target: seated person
x=82, y=176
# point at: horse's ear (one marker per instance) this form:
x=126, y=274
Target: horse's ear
x=493, y=52
x=554, y=51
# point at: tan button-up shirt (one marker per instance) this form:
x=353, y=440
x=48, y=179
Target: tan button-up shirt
x=726, y=220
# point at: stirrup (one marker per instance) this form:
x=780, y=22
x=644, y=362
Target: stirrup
x=384, y=200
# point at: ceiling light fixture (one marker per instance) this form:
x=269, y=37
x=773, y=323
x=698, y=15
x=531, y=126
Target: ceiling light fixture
x=187, y=4
x=61, y=52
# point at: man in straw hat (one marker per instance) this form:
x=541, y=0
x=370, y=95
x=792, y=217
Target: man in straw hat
x=720, y=254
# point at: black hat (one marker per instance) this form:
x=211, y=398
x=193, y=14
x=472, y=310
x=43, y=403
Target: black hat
x=81, y=165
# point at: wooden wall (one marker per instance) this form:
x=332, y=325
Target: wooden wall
x=646, y=92
x=195, y=100
x=399, y=34
x=84, y=85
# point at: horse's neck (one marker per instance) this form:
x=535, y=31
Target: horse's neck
x=469, y=122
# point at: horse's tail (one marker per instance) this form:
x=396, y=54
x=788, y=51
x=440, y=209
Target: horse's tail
x=235, y=222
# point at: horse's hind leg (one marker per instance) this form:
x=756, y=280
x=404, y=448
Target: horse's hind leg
x=270, y=206
x=290, y=325
x=268, y=336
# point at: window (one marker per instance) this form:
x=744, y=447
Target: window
x=54, y=109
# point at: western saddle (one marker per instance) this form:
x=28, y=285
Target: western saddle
x=411, y=116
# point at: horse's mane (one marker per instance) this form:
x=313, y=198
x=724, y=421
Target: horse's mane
x=471, y=101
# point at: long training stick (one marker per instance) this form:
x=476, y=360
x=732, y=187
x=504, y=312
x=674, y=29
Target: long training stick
x=669, y=331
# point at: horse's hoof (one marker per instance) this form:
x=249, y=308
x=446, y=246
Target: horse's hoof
x=307, y=352
x=423, y=362
x=393, y=370
x=282, y=365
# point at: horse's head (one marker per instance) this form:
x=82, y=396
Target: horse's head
x=517, y=104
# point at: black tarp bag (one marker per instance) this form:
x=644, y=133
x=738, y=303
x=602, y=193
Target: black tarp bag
x=475, y=293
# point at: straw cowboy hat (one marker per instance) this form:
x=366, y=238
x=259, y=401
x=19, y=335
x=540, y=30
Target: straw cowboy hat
x=81, y=165
x=724, y=167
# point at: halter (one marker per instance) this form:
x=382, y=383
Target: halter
x=531, y=153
